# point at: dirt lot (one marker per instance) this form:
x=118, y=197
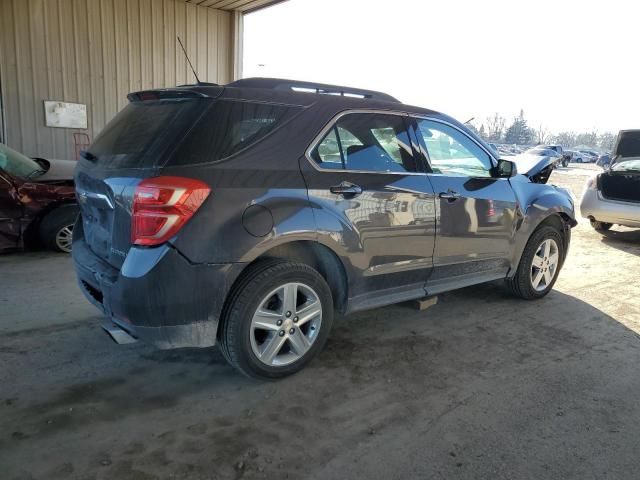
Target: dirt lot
x=479, y=386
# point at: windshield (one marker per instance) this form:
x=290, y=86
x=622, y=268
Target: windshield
x=17, y=164
x=626, y=166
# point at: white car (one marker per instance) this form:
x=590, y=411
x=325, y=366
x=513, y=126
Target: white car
x=588, y=156
x=613, y=197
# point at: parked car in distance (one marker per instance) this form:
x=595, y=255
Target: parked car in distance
x=540, y=153
x=37, y=201
x=589, y=156
x=265, y=205
x=576, y=156
x=604, y=161
x=560, y=151
x=613, y=197
x=507, y=150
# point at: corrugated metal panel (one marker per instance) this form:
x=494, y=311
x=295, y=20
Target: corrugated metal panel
x=235, y=5
x=95, y=52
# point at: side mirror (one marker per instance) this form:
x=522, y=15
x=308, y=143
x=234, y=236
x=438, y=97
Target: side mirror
x=506, y=169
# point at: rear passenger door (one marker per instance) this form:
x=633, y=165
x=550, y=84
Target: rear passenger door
x=373, y=203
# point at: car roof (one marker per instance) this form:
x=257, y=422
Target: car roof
x=292, y=92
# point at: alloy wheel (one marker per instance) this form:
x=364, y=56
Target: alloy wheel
x=64, y=238
x=286, y=324
x=544, y=265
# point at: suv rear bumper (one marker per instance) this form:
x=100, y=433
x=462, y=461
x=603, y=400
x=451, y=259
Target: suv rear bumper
x=158, y=296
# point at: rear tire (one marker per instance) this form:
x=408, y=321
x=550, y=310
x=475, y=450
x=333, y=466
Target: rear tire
x=523, y=283
x=56, y=228
x=259, y=319
x=601, y=226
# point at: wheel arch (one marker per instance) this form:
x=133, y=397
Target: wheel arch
x=31, y=232
x=558, y=218
x=562, y=222
x=311, y=253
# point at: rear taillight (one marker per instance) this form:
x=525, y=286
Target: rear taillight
x=491, y=212
x=592, y=183
x=161, y=207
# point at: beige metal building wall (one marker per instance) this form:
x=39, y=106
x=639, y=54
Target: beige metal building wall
x=95, y=52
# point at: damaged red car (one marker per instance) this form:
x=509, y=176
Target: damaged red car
x=37, y=202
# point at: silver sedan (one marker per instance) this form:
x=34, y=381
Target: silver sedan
x=613, y=197
x=605, y=212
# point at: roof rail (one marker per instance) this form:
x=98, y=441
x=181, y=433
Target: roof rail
x=311, y=87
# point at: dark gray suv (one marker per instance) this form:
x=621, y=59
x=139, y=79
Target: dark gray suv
x=245, y=215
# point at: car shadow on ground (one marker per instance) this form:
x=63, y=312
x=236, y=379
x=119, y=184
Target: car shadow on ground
x=625, y=240
x=478, y=369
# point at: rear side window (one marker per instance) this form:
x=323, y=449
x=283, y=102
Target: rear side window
x=143, y=132
x=367, y=142
x=228, y=127
x=181, y=132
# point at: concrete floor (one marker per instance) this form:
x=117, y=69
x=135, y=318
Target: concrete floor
x=480, y=386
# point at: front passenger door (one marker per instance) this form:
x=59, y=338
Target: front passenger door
x=475, y=211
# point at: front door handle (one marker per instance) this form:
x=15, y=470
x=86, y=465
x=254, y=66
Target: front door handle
x=450, y=195
x=346, y=188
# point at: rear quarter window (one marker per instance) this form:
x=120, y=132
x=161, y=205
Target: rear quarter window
x=144, y=132
x=228, y=127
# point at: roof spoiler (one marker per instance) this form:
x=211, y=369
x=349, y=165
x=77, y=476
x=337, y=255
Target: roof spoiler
x=181, y=92
x=311, y=87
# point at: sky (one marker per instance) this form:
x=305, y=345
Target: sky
x=570, y=65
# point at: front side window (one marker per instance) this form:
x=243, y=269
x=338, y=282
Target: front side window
x=366, y=142
x=453, y=153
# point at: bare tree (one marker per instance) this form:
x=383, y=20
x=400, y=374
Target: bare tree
x=541, y=135
x=495, y=128
x=566, y=139
x=606, y=141
x=590, y=139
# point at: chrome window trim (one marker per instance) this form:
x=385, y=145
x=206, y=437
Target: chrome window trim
x=331, y=123
x=494, y=160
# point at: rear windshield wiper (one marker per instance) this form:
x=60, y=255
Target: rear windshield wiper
x=87, y=155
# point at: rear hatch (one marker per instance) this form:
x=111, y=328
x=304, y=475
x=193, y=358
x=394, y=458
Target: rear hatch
x=622, y=181
x=130, y=148
x=174, y=127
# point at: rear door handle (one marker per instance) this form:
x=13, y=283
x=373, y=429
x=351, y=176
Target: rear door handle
x=346, y=188
x=450, y=195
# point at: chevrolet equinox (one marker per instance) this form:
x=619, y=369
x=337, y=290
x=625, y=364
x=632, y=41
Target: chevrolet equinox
x=245, y=215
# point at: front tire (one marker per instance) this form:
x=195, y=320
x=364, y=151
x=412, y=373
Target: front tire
x=600, y=226
x=539, y=265
x=56, y=228
x=277, y=319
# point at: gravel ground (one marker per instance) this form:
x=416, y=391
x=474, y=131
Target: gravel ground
x=480, y=386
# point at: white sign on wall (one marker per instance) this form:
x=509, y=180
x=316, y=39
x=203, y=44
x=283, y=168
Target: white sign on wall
x=65, y=114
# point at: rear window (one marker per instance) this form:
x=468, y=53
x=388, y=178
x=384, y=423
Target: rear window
x=144, y=132
x=228, y=127
x=181, y=132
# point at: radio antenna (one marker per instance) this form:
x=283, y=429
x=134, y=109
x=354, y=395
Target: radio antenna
x=187, y=57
